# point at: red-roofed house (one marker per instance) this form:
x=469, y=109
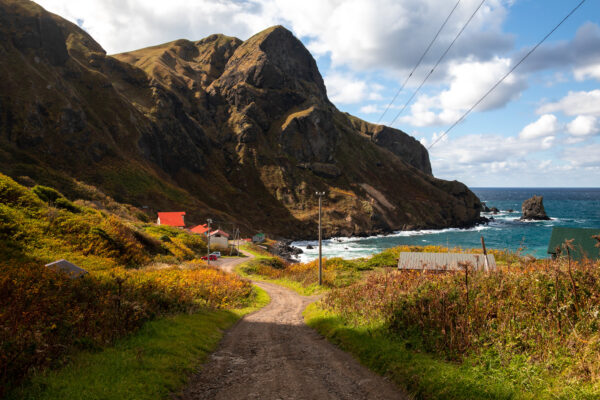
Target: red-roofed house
x=219, y=238
x=171, y=218
x=200, y=229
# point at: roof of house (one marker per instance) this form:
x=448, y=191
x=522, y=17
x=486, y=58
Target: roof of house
x=199, y=229
x=218, y=231
x=443, y=261
x=583, y=242
x=171, y=218
x=72, y=270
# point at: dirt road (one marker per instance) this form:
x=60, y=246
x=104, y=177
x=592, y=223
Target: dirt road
x=228, y=264
x=272, y=355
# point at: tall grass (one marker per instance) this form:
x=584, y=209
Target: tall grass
x=542, y=314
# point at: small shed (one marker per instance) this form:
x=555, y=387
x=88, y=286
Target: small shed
x=219, y=238
x=69, y=268
x=443, y=261
x=171, y=218
x=584, y=245
x=258, y=238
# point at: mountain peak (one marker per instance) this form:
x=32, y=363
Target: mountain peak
x=274, y=59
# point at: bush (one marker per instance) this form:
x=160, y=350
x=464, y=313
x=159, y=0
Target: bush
x=45, y=314
x=544, y=313
x=65, y=204
x=46, y=194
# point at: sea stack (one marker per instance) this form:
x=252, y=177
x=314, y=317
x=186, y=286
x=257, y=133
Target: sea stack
x=533, y=209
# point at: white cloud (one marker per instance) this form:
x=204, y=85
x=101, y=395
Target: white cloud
x=583, y=125
x=545, y=126
x=344, y=88
x=469, y=81
x=588, y=71
x=370, y=109
x=365, y=34
x=575, y=103
x=582, y=53
x=362, y=34
x=583, y=156
x=492, y=159
x=129, y=25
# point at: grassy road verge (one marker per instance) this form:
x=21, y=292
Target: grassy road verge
x=288, y=283
x=150, y=364
x=422, y=375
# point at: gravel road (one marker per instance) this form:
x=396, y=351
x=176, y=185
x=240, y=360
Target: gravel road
x=271, y=354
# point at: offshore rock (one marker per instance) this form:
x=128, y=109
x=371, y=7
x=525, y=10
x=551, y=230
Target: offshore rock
x=533, y=209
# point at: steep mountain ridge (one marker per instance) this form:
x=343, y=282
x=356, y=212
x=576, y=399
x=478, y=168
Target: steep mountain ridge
x=240, y=131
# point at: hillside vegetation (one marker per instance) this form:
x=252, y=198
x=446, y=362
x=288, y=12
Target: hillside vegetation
x=138, y=271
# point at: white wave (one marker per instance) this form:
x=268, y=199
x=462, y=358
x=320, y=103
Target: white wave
x=349, y=248
x=343, y=239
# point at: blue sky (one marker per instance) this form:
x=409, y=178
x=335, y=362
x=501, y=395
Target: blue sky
x=541, y=127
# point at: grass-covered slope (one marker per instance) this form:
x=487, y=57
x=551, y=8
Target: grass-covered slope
x=138, y=272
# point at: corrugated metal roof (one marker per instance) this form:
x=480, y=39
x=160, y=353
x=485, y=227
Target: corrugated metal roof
x=583, y=243
x=71, y=269
x=443, y=261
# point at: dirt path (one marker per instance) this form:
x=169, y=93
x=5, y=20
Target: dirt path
x=228, y=264
x=272, y=355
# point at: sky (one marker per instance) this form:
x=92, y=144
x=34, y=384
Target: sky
x=539, y=128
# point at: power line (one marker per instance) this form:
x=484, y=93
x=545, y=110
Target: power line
x=507, y=74
x=418, y=62
x=437, y=63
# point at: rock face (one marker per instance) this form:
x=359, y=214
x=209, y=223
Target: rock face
x=234, y=130
x=533, y=209
x=285, y=250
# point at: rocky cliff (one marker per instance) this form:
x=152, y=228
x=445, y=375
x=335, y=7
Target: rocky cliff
x=241, y=131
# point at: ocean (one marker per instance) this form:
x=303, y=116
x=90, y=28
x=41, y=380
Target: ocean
x=572, y=207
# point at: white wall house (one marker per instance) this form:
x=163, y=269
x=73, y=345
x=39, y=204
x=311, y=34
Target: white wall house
x=219, y=238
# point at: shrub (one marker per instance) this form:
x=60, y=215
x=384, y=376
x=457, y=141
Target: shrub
x=46, y=194
x=14, y=195
x=45, y=314
x=65, y=204
x=543, y=312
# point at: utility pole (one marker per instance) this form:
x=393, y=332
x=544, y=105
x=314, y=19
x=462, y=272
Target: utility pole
x=208, y=241
x=320, y=194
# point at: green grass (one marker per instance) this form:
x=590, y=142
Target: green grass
x=420, y=374
x=288, y=283
x=151, y=364
x=426, y=377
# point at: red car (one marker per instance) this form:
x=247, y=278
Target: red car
x=211, y=257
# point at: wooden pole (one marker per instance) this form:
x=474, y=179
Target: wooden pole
x=485, y=258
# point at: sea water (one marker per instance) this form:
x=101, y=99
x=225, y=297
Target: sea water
x=571, y=207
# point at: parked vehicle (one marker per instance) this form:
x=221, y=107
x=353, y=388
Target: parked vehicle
x=210, y=257
x=216, y=253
